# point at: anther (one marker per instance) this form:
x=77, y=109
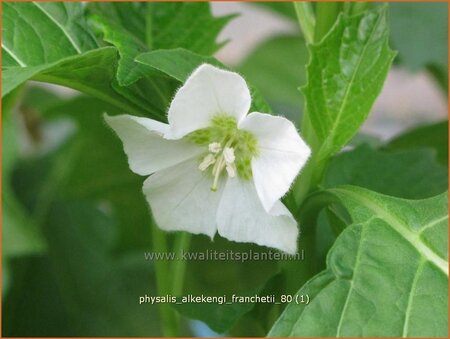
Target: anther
x=214, y=147
x=206, y=162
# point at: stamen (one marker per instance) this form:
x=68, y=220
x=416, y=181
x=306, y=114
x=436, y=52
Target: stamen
x=231, y=170
x=218, y=167
x=206, y=162
x=215, y=147
x=228, y=148
x=228, y=153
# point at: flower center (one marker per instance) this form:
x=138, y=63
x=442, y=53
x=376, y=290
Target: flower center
x=230, y=150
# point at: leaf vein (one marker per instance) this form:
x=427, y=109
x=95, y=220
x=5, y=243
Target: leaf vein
x=75, y=46
x=400, y=227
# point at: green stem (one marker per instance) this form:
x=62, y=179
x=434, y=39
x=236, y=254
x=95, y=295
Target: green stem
x=310, y=177
x=326, y=14
x=169, y=321
x=182, y=243
x=355, y=7
x=306, y=19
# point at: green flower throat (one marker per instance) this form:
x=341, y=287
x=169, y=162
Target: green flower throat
x=229, y=148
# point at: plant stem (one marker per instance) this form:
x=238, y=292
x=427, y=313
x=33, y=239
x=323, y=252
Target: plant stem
x=182, y=243
x=169, y=321
x=306, y=19
x=326, y=14
x=355, y=7
x=310, y=177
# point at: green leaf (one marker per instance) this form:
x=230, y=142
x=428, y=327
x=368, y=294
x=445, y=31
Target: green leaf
x=92, y=72
x=129, y=46
x=433, y=137
x=187, y=25
x=411, y=174
x=196, y=32
x=387, y=273
x=52, y=43
x=37, y=33
x=346, y=72
x=128, y=15
x=273, y=69
x=419, y=32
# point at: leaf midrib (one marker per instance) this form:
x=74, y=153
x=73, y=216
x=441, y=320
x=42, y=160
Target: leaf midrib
x=401, y=228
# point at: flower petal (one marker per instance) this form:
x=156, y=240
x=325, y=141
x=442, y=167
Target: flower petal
x=145, y=146
x=207, y=92
x=241, y=217
x=282, y=153
x=181, y=199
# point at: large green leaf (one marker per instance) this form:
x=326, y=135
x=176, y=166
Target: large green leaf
x=166, y=26
x=92, y=72
x=38, y=33
x=387, y=273
x=434, y=137
x=50, y=59
x=411, y=174
x=346, y=72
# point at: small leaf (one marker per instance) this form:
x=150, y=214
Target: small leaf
x=386, y=276
x=345, y=75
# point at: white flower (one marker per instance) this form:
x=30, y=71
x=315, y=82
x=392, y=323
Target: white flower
x=215, y=168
